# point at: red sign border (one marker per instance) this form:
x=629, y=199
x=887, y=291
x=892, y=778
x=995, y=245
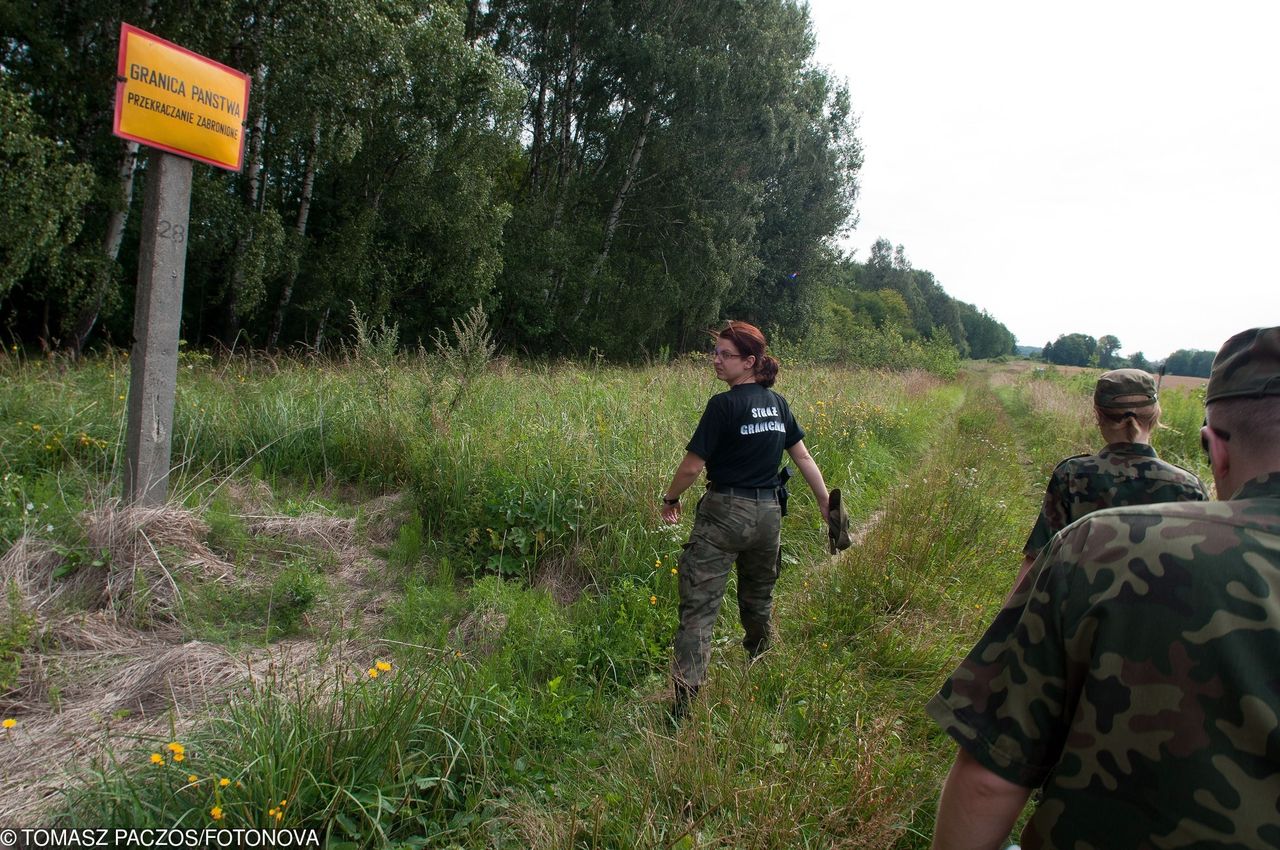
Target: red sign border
x=122, y=77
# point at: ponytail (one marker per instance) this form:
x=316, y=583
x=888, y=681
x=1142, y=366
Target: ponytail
x=766, y=370
x=1134, y=422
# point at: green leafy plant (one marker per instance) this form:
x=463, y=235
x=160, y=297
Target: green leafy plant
x=16, y=627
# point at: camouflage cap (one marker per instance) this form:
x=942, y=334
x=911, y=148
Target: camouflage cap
x=1248, y=364
x=1122, y=383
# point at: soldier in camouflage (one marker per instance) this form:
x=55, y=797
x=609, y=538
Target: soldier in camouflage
x=1126, y=472
x=1134, y=675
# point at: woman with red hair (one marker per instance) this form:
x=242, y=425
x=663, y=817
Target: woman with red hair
x=739, y=441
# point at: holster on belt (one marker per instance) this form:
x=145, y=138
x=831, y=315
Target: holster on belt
x=784, y=475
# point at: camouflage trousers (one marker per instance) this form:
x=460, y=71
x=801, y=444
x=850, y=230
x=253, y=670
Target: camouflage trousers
x=726, y=529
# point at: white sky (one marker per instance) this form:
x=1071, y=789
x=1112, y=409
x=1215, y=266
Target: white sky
x=1091, y=167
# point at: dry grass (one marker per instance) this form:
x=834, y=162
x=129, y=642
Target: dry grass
x=914, y=383
x=383, y=517
x=139, y=585
x=253, y=496
x=106, y=667
x=29, y=565
x=480, y=632
x=326, y=532
x=1052, y=399
x=120, y=688
x=563, y=578
x=1010, y=372
x=142, y=548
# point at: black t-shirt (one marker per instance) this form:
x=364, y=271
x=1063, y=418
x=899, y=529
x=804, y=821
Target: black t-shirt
x=742, y=435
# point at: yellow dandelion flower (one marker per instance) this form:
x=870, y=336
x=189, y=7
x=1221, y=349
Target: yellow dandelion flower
x=176, y=748
x=373, y=672
x=193, y=779
x=279, y=815
x=178, y=756
x=284, y=803
x=156, y=758
x=35, y=426
x=9, y=723
x=120, y=397
x=224, y=782
x=674, y=571
x=384, y=666
x=272, y=812
x=653, y=600
x=216, y=812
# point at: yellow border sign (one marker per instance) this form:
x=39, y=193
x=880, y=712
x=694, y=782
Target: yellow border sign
x=170, y=98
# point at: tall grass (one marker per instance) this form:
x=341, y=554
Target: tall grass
x=822, y=742
x=1055, y=412
x=367, y=760
x=534, y=599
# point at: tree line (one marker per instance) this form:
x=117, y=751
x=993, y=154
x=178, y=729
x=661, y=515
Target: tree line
x=599, y=174
x=888, y=293
x=1079, y=349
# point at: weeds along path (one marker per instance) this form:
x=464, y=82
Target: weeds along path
x=823, y=742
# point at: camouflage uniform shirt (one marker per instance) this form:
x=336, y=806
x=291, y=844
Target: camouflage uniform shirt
x=1136, y=677
x=1121, y=474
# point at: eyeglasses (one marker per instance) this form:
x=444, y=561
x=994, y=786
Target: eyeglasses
x=719, y=354
x=1225, y=436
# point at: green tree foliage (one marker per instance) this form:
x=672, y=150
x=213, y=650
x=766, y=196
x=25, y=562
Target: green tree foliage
x=1191, y=362
x=576, y=167
x=1108, y=345
x=1138, y=360
x=986, y=337
x=379, y=147
x=1072, y=350
x=41, y=195
x=886, y=293
x=685, y=161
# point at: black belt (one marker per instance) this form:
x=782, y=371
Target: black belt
x=760, y=494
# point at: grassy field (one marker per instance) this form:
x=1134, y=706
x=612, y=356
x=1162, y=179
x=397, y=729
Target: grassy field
x=412, y=606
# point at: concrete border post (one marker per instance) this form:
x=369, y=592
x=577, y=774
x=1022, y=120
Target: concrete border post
x=153, y=375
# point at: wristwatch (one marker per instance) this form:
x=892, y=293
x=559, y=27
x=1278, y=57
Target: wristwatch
x=671, y=503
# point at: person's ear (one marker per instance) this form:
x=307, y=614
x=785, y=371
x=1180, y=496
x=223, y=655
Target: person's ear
x=1219, y=456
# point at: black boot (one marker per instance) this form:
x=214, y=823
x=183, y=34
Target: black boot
x=756, y=647
x=684, y=696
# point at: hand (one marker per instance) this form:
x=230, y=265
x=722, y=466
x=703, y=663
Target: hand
x=671, y=513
